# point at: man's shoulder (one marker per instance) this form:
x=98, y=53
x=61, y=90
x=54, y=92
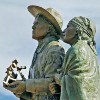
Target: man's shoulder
x=55, y=46
x=54, y=43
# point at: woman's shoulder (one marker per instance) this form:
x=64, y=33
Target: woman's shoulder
x=79, y=48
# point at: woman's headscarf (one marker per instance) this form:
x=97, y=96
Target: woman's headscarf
x=85, y=26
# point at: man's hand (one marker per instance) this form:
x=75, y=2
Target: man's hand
x=58, y=79
x=6, y=86
x=18, y=95
x=54, y=88
x=17, y=87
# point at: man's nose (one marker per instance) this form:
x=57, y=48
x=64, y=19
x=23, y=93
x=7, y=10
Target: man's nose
x=33, y=27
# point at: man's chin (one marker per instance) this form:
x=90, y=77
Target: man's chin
x=34, y=37
x=38, y=37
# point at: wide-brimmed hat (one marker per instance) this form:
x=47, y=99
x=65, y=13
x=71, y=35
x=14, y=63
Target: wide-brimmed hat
x=51, y=14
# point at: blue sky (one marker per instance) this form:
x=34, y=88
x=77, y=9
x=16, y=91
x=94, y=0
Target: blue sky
x=15, y=30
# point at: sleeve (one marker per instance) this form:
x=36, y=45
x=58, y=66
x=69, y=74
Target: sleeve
x=26, y=96
x=80, y=74
x=54, y=60
x=74, y=67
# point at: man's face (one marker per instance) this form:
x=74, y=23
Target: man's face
x=40, y=28
x=69, y=33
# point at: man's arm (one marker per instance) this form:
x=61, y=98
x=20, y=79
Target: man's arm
x=54, y=59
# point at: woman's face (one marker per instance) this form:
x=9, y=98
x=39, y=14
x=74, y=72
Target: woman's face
x=69, y=33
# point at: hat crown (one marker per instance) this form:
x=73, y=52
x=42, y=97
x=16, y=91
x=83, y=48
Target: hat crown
x=56, y=15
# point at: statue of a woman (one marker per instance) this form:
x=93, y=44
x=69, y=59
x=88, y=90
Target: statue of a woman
x=80, y=75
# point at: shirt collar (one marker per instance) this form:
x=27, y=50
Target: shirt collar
x=44, y=42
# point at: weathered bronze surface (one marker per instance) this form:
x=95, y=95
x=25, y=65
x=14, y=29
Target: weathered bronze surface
x=77, y=72
x=48, y=57
x=80, y=78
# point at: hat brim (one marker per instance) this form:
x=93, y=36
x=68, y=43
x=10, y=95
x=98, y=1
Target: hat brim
x=35, y=10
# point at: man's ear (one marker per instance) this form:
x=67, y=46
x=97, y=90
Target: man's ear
x=49, y=28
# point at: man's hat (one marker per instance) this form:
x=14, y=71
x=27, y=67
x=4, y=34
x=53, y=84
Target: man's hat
x=51, y=14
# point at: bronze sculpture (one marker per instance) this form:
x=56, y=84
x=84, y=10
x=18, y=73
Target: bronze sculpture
x=48, y=57
x=79, y=78
x=79, y=75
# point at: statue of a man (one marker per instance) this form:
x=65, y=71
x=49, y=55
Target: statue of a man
x=48, y=57
x=80, y=73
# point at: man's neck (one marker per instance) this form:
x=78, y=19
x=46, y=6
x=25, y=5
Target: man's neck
x=46, y=40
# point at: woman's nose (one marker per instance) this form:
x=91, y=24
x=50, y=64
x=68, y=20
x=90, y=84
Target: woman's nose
x=64, y=31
